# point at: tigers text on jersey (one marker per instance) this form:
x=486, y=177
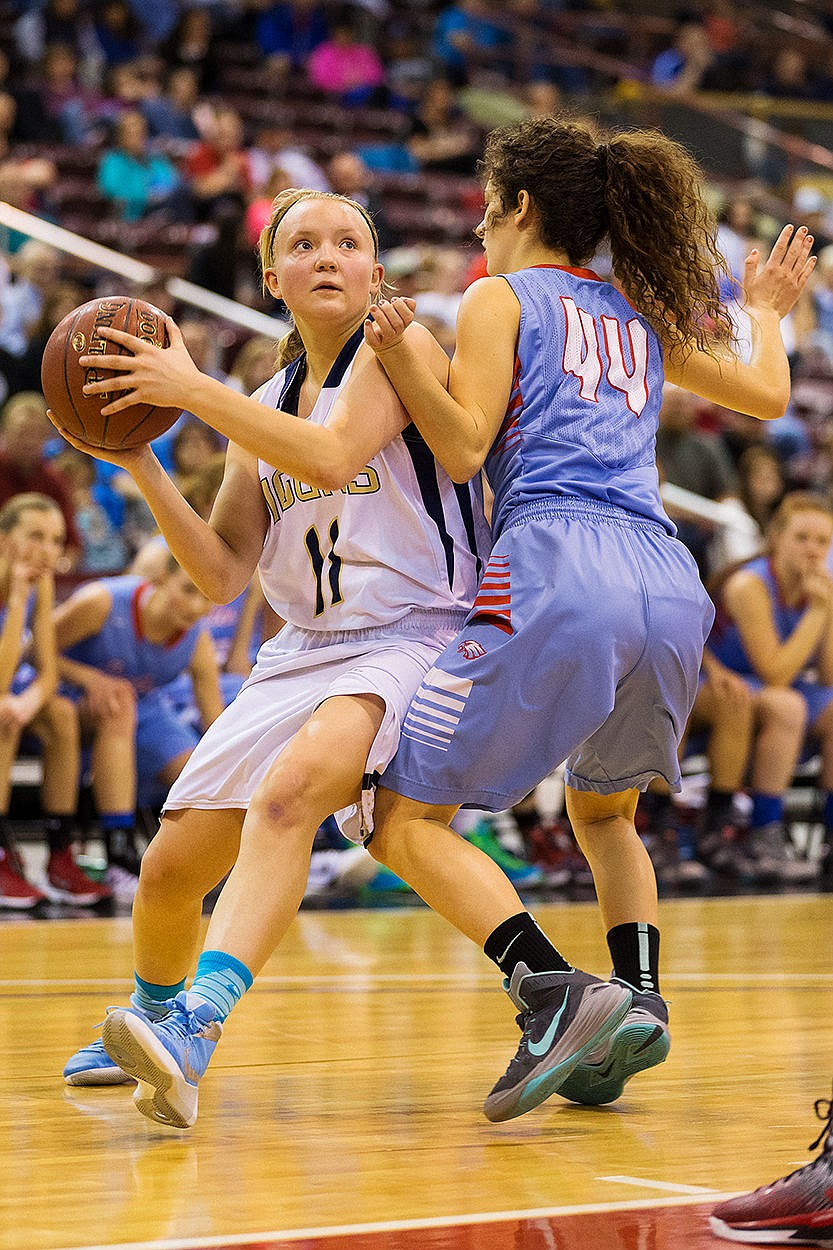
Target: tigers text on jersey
x=583, y=412
x=401, y=536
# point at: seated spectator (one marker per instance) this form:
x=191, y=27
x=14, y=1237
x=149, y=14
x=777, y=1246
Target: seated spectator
x=25, y=431
x=220, y=178
x=343, y=66
x=737, y=233
x=259, y=207
x=348, y=175
x=194, y=446
x=791, y=77
x=542, y=98
x=813, y=314
x=273, y=148
x=439, y=283
x=683, y=66
x=253, y=364
x=36, y=271
x=169, y=111
x=59, y=300
x=462, y=33
x=31, y=124
x=192, y=45
x=237, y=629
x=120, y=640
x=694, y=460
x=761, y=487
x=25, y=183
x=103, y=550
x=31, y=544
x=752, y=738
x=288, y=33
x=65, y=22
x=80, y=114
x=137, y=181
x=775, y=628
x=117, y=33
x=442, y=139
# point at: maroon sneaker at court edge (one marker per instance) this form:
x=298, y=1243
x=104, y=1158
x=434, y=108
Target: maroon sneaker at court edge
x=796, y=1210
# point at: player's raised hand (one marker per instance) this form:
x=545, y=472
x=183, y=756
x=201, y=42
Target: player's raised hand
x=387, y=322
x=779, y=282
x=151, y=375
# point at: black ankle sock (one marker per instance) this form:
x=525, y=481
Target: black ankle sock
x=7, y=839
x=519, y=940
x=634, y=949
x=719, y=808
x=121, y=848
x=58, y=831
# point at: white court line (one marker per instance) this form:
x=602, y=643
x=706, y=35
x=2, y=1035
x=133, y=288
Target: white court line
x=263, y=1240
x=643, y=1183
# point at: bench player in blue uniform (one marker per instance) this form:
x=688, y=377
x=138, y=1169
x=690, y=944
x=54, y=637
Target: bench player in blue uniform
x=122, y=640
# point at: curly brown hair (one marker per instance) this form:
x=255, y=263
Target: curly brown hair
x=642, y=192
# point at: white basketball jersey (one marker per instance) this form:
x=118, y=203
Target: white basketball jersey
x=401, y=536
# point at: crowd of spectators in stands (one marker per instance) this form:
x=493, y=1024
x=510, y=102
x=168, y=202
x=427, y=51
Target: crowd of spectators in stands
x=161, y=134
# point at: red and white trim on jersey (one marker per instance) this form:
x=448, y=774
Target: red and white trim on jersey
x=494, y=598
x=510, y=431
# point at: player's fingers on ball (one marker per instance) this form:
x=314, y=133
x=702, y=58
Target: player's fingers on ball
x=174, y=332
x=105, y=362
x=120, y=336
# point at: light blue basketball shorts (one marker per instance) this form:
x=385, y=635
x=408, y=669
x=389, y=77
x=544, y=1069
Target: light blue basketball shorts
x=584, y=645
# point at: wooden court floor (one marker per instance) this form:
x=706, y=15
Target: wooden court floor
x=342, y=1108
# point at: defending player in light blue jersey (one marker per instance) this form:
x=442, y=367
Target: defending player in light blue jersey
x=585, y=639
x=371, y=554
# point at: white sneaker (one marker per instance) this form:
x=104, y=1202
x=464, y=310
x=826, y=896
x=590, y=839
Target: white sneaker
x=349, y=869
x=124, y=884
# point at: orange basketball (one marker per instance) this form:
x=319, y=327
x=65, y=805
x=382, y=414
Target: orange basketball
x=62, y=378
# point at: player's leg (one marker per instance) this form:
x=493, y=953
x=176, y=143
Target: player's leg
x=765, y=852
x=319, y=771
x=191, y=853
x=626, y=889
x=56, y=727
x=564, y=1012
x=110, y=731
x=16, y=892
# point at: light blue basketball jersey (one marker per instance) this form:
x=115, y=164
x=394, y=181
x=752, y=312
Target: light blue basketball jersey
x=583, y=413
x=120, y=649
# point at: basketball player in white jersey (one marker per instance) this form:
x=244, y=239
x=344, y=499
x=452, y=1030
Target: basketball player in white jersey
x=372, y=555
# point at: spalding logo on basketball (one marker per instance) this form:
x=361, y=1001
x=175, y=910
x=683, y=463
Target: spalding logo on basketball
x=63, y=379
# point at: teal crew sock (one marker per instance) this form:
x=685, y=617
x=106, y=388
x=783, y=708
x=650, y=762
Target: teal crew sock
x=154, y=999
x=221, y=980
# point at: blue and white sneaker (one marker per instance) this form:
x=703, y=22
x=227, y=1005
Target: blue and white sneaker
x=167, y=1057
x=641, y=1041
x=91, y=1065
x=564, y=1017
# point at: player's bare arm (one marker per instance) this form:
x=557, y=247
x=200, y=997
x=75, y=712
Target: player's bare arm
x=761, y=387
x=205, y=675
x=776, y=661
x=317, y=454
x=459, y=424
